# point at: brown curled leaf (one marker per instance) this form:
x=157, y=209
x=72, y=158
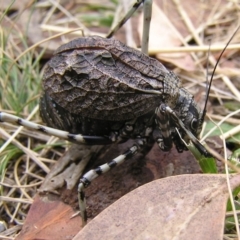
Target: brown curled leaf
x=179, y=207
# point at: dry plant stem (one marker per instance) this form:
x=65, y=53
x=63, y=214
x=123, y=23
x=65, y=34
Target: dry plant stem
x=46, y=149
x=188, y=22
x=219, y=123
x=232, y=87
x=218, y=93
x=22, y=186
x=230, y=72
x=35, y=176
x=18, y=181
x=221, y=96
x=218, y=98
x=19, y=186
x=214, y=11
x=11, y=231
x=16, y=210
x=14, y=188
x=218, y=156
x=191, y=28
x=38, y=43
x=230, y=213
x=60, y=30
x=23, y=192
x=47, y=160
x=202, y=48
x=8, y=212
x=49, y=14
x=6, y=238
x=228, y=120
x=225, y=237
x=70, y=16
x=27, y=151
x=17, y=200
x=231, y=132
x=19, y=222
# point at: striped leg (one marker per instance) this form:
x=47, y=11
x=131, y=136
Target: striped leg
x=92, y=174
x=76, y=138
x=164, y=139
x=164, y=113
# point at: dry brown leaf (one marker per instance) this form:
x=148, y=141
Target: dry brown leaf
x=179, y=207
x=164, y=34
x=49, y=219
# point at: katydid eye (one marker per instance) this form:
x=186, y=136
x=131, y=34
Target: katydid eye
x=194, y=124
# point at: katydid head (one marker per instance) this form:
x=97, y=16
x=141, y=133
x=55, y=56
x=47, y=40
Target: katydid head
x=187, y=116
x=189, y=112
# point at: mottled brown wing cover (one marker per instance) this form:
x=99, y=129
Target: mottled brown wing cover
x=103, y=79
